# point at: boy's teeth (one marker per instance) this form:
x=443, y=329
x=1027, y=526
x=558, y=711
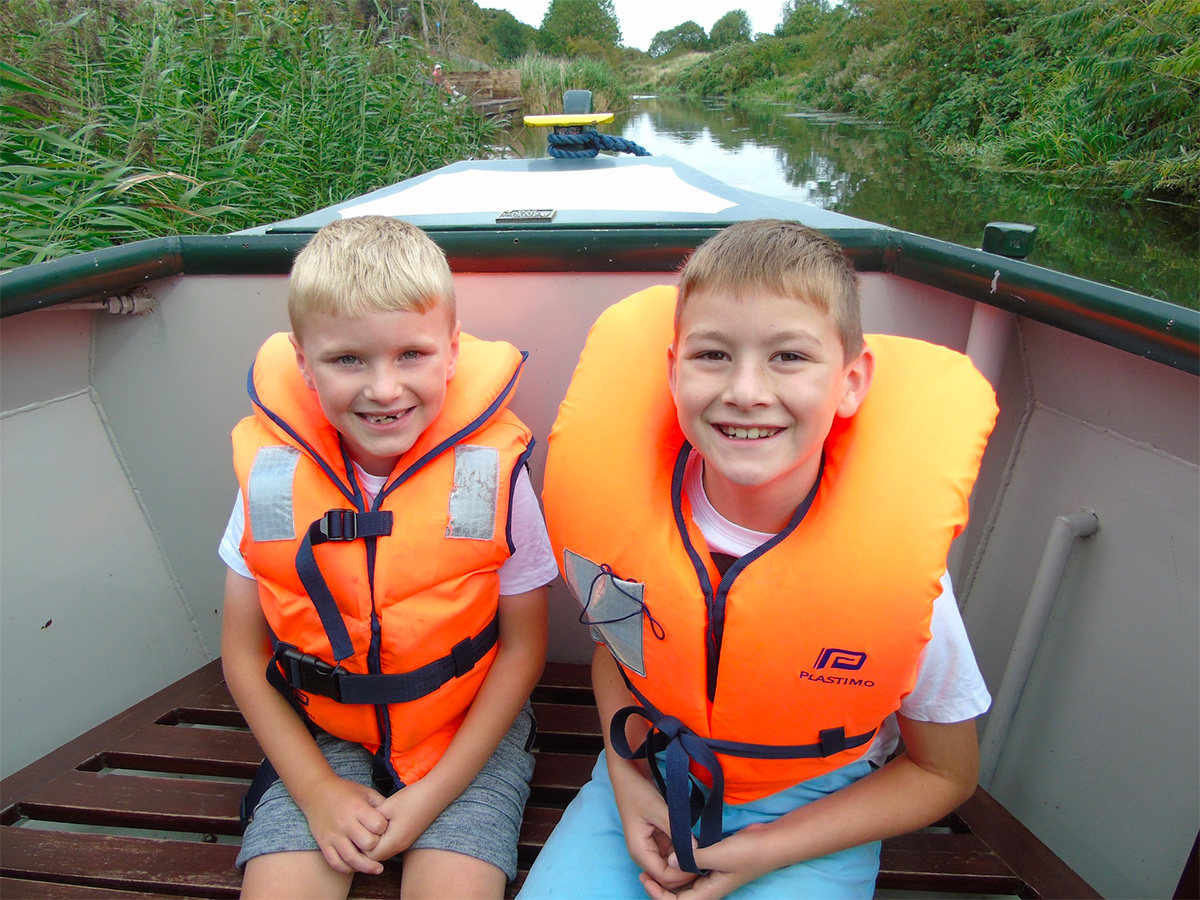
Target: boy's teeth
x=379, y=419
x=748, y=433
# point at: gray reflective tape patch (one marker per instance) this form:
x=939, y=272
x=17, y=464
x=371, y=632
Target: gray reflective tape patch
x=613, y=608
x=473, y=497
x=271, y=486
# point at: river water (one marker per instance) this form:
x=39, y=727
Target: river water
x=885, y=175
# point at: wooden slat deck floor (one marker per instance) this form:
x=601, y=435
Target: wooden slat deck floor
x=146, y=805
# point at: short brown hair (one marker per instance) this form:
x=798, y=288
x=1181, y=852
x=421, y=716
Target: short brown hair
x=784, y=258
x=365, y=264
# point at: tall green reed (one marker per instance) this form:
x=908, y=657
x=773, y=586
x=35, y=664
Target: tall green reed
x=545, y=78
x=125, y=121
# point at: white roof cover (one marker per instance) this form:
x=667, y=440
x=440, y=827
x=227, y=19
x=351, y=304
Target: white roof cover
x=646, y=188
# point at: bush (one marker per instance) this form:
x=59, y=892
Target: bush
x=739, y=66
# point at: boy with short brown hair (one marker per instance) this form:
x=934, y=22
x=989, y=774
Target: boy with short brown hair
x=759, y=543
x=387, y=571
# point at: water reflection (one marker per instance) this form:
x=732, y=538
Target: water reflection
x=881, y=174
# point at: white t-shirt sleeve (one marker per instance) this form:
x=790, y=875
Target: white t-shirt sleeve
x=949, y=685
x=531, y=565
x=230, y=548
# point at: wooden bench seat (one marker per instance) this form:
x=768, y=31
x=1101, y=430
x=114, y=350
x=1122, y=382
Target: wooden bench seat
x=145, y=805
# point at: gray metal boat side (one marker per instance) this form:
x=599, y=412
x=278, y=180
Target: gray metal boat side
x=114, y=465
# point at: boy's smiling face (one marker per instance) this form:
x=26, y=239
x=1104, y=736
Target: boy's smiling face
x=757, y=383
x=380, y=378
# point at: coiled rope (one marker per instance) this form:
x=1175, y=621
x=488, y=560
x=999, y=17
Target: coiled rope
x=589, y=144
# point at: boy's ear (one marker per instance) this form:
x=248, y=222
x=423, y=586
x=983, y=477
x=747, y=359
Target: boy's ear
x=301, y=362
x=452, y=360
x=858, y=381
x=671, y=368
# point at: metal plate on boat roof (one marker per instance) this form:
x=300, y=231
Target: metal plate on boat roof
x=527, y=215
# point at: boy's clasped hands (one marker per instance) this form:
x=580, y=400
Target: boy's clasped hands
x=733, y=861
x=358, y=828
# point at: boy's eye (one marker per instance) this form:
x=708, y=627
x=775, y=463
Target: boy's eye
x=411, y=354
x=711, y=355
x=789, y=356
x=346, y=360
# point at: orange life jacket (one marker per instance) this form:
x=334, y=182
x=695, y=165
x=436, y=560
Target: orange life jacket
x=384, y=616
x=786, y=666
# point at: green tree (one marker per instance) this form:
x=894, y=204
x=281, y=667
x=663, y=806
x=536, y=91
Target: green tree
x=798, y=17
x=686, y=36
x=731, y=28
x=508, y=37
x=570, y=22
x=453, y=26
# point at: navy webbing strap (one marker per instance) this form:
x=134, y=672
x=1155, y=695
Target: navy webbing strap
x=686, y=803
x=263, y=779
x=349, y=525
x=335, y=525
x=314, y=676
x=683, y=748
x=265, y=776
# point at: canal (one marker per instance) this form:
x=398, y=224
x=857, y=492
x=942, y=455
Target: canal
x=885, y=175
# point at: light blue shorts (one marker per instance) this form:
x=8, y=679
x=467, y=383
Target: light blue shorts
x=586, y=858
x=483, y=822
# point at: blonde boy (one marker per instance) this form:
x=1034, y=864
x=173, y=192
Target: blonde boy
x=387, y=571
x=765, y=588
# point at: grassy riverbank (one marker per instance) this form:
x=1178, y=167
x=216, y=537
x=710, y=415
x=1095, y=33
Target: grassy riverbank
x=125, y=120
x=1102, y=92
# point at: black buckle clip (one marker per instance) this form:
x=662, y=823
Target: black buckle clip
x=833, y=740
x=338, y=525
x=311, y=674
x=463, y=654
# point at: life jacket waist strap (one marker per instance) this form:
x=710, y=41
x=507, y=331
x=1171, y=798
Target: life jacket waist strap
x=308, y=673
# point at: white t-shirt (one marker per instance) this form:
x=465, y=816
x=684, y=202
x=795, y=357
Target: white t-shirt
x=530, y=566
x=949, y=685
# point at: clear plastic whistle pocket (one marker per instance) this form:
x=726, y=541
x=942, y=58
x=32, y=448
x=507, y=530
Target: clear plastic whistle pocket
x=611, y=607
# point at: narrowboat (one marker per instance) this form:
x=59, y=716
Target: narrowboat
x=123, y=371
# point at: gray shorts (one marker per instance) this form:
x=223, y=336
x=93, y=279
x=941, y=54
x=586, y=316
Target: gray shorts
x=483, y=822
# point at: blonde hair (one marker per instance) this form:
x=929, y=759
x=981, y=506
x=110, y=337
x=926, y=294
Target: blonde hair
x=367, y=264
x=784, y=258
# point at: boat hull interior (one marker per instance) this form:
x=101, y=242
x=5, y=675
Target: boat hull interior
x=117, y=484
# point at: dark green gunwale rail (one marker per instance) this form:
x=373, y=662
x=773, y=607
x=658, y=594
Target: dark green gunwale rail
x=1159, y=331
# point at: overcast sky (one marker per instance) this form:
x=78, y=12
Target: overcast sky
x=642, y=19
